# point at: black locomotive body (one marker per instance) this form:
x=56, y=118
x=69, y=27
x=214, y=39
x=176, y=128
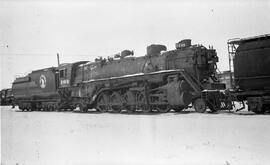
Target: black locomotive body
x=159, y=81
x=251, y=59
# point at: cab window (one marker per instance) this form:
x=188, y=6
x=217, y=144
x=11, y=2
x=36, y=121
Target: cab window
x=63, y=73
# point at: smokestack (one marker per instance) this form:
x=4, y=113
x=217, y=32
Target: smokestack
x=58, y=61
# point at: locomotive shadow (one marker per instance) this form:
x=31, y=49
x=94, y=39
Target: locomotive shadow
x=135, y=113
x=251, y=114
x=142, y=113
x=241, y=113
x=121, y=113
x=226, y=112
x=88, y=112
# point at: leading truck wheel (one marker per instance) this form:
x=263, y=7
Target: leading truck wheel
x=199, y=105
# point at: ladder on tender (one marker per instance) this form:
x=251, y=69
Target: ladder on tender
x=232, y=46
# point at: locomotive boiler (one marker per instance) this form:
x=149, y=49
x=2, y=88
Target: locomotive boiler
x=196, y=60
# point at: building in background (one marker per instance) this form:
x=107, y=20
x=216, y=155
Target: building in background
x=225, y=77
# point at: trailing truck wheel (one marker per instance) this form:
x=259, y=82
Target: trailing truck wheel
x=178, y=108
x=83, y=108
x=163, y=108
x=199, y=105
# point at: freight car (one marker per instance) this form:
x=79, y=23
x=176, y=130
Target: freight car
x=251, y=62
x=6, y=97
x=159, y=81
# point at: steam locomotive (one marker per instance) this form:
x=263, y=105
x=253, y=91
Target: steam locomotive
x=159, y=81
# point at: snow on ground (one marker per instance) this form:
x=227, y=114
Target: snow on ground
x=37, y=138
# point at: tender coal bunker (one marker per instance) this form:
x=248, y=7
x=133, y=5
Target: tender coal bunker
x=252, y=64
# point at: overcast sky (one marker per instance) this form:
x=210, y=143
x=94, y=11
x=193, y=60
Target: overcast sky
x=32, y=32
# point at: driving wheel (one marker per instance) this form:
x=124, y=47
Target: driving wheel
x=103, y=103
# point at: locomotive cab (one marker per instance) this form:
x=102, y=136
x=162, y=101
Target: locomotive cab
x=67, y=73
x=64, y=75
